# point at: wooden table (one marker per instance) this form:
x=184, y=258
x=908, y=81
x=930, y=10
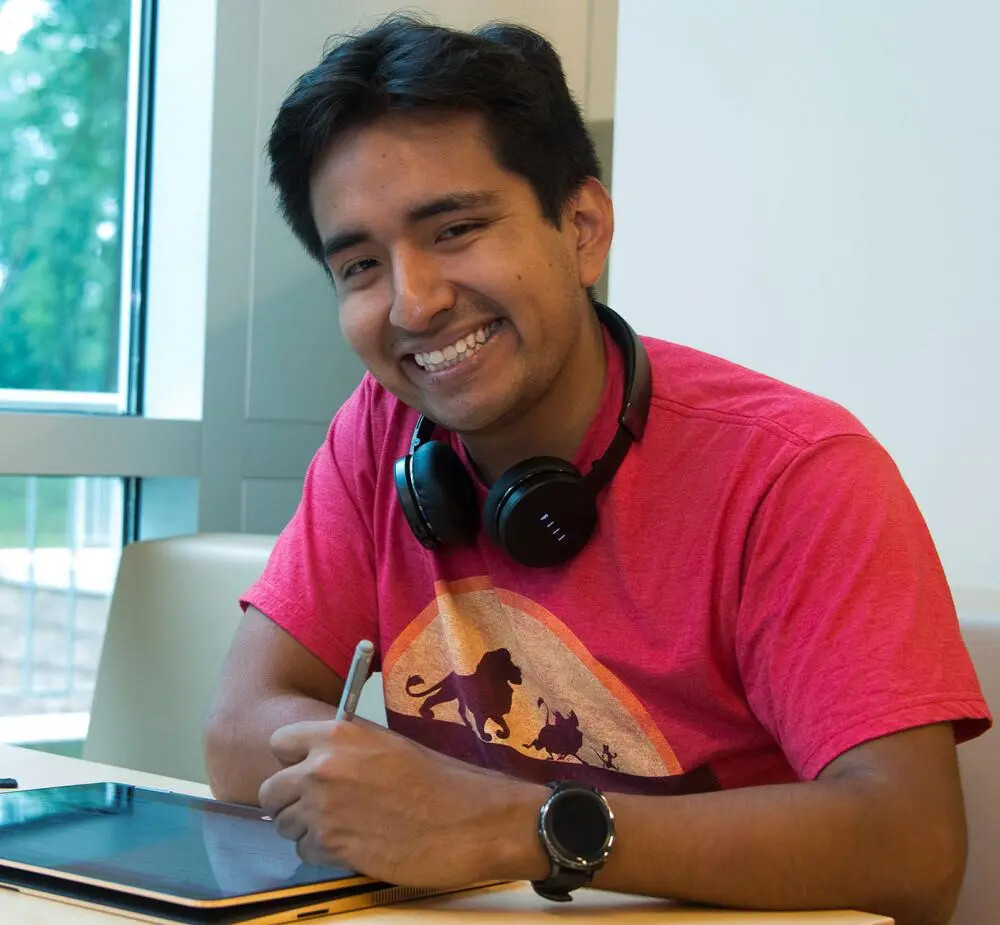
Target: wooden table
x=496, y=906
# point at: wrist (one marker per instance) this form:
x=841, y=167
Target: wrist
x=517, y=852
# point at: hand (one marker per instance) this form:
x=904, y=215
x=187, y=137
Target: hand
x=357, y=795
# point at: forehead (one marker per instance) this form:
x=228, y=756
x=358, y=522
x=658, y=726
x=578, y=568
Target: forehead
x=400, y=161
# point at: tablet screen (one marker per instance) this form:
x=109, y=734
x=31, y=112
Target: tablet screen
x=156, y=843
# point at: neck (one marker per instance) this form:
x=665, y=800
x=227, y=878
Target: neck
x=556, y=425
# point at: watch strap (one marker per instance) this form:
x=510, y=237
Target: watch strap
x=561, y=882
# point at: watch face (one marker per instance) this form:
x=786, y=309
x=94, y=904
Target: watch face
x=578, y=824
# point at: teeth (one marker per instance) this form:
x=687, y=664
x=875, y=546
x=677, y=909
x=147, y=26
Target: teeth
x=464, y=347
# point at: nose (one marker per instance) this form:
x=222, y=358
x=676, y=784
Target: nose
x=420, y=291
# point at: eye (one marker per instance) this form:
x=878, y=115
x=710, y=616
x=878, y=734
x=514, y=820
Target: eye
x=358, y=266
x=462, y=228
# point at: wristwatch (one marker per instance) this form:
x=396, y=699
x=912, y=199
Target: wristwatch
x=577, y=829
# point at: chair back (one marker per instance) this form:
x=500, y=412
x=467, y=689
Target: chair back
x=172, y=618
x=979, y=761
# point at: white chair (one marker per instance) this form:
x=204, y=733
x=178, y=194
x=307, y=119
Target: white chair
x=979, y=760
x=173, y=615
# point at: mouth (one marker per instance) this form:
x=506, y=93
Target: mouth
x=461, y=350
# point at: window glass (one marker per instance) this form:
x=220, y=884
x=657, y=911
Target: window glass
x=64, y=214
x=60, y=541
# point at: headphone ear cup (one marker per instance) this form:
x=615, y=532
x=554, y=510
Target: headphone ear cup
x=443, y=494
x=540, y=512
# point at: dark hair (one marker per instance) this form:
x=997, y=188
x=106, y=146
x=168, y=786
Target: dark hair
x=507, y=73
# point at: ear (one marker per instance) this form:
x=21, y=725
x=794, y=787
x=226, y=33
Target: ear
x=591, y=215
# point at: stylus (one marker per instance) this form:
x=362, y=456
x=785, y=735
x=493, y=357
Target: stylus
x=356, y=678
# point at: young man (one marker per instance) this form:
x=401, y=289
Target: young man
x=734, y=629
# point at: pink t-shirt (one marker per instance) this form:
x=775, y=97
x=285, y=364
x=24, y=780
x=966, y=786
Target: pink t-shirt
x=760, y=596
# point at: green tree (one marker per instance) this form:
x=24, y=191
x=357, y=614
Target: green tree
x=63, y=119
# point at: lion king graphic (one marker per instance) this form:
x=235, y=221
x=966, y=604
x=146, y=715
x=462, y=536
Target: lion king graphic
x=492, y=678
x=487, y=693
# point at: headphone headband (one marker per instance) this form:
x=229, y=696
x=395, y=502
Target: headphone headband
x=635, y=401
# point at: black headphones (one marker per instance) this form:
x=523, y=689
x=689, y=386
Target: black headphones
x=542, y=511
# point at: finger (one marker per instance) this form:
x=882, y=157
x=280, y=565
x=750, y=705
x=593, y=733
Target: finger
x=291, y=744
x=280, y=790
x=312, y=851
x=290, y=823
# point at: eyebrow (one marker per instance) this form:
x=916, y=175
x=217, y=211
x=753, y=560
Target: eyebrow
x=451, y=202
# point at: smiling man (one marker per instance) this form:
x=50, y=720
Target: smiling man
x=645, y=618
x=456, y=292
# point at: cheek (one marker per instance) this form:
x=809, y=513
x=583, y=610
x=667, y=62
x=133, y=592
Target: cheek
x=361, y=325
x=544, y=269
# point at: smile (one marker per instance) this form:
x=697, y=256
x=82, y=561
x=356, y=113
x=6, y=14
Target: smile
x=458, y=352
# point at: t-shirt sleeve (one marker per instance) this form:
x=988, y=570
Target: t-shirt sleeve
x=847, y=630
x=319, y=582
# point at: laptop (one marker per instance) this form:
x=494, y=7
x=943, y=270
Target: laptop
x=164, y=857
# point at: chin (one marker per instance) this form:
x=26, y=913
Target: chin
x=462, y=423
x=468, y=419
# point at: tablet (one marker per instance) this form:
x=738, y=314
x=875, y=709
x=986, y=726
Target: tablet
x=166, y=857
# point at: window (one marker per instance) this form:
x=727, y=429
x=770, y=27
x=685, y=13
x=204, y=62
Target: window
x=73, y=88
x=152, y=421
x=68, y=111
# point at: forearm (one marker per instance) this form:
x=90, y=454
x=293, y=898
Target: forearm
x=238, y=756
x=809, y=845
x=796, y=846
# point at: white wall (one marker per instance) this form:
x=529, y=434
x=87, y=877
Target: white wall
x=813, y=189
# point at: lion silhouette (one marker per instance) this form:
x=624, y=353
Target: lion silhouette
x=560, y=737
x=486, y=694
